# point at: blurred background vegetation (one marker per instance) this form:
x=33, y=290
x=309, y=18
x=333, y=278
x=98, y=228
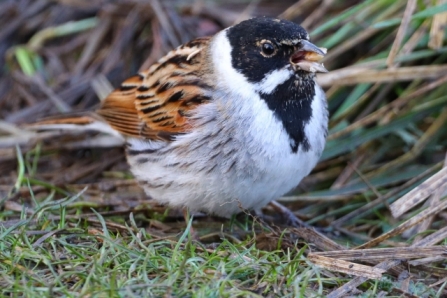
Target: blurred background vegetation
x=387, y=95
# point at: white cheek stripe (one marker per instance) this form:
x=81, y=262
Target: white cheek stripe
x=273, y=79
x=228, y=78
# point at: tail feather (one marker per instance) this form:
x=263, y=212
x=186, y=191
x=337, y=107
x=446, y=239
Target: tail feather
x=84, y=121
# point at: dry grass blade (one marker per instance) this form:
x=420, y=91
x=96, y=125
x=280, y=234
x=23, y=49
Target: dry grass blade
x=437, y=31
x=405, y=225
x=93, y=43
x=355, y=282
x=366, y=208
x=432, y=239
x=427, y=260
x=411, y=5
x=418, y=194
x=439, y=282
x=297, y=9
x=357, y=76
x=54, y=98
x=418, y=148
x=164, y=21
x=379, y=254
x=346, y=267
x=316, y=14
x=319, y=240
x=396, y=104
x=347, y=45
x=433, y=201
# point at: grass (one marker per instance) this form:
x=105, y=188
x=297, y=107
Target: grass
x=44, y=256
x=72, y=258
x=74, y=223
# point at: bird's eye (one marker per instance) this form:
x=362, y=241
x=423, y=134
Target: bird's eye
x=268, y=49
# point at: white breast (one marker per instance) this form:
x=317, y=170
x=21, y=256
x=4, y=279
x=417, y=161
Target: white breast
x=246, y=162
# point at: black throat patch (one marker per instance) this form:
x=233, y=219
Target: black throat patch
x=291, y=102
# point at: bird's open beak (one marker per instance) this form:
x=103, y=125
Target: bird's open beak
x=307, y=57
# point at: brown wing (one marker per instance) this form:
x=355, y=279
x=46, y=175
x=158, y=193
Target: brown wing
x=155, y=103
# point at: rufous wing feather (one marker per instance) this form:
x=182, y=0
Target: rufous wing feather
x=155, y=104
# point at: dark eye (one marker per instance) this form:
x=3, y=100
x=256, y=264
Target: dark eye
x=268, y=48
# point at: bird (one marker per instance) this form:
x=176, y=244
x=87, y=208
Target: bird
x=222, y=123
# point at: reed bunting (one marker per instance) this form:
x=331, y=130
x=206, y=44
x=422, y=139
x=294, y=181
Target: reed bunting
x=221, y=123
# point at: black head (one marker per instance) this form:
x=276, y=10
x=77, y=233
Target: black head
x=261, y=45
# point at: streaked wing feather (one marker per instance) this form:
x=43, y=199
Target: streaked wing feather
x=155, y=104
